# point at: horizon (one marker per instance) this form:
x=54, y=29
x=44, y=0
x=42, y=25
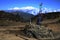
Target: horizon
x=49, y=4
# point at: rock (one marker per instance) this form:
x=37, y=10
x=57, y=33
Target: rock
x=37, y=31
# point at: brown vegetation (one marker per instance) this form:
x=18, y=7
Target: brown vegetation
x=10, y=30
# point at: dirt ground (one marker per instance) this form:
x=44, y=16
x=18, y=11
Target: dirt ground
x=4, y=35
x=14, y=34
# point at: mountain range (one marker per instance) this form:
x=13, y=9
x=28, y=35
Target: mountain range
x=32, y=10
x=15, y=15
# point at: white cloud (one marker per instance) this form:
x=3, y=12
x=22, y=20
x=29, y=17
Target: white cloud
x=15, y=8
x=55, y=11
x=27, y=7
x=33, y=10
x=45, y=10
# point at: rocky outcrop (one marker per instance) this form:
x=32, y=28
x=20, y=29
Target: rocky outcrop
x=38, y=31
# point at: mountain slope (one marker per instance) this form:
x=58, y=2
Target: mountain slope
x=15, y=15
x=12, y=18
x=26, y=16
x=51, y=17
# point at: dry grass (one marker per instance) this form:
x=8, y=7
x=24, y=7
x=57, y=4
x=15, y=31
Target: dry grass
x=4, y=36
x=54, y=27
x=14, y=34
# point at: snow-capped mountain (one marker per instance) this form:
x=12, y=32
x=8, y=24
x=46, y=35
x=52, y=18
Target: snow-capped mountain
x=32, y=10
x=28, y=9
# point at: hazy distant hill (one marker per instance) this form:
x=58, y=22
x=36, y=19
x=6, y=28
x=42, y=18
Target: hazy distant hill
x=26, y=16
x=8, y=16
x=15, y=16
x=11, y=18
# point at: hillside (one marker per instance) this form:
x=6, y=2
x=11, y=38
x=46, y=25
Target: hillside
x=7, y=18
x=48, y=17
x=11, y=29
x=51, y=20
x=26, y=16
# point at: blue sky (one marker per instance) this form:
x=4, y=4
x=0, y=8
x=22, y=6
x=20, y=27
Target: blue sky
x=5, y=4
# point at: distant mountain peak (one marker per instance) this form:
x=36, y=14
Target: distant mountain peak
x=29, y=9
x=33, y=10
x=26, y=7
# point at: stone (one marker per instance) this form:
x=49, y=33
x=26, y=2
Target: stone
x=37, y=31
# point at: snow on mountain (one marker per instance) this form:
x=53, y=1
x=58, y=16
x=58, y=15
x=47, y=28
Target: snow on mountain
x=29, y=9
x=32, y=10
x=15, y=8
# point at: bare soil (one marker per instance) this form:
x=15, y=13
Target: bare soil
x=14, y=33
